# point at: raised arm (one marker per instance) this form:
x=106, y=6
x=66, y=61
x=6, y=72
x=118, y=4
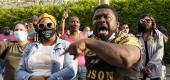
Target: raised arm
x=64, y=17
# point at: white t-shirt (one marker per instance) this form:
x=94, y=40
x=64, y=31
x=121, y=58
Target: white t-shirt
x=40, y=61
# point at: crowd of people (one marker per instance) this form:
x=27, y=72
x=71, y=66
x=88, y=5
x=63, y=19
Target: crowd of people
x=43, y=50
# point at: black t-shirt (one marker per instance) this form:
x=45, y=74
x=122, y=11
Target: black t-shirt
x=100, y=70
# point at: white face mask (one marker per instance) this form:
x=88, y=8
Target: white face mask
x=89, y=33
x=20, y=35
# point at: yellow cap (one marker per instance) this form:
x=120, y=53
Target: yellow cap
x=45, y=15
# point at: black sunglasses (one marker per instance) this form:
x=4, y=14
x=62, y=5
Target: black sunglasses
x=42, y=26
x=145, y=20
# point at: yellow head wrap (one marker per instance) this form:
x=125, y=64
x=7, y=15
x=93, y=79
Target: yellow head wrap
x=45, y=15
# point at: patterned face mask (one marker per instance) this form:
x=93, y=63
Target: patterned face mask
x=47, y=33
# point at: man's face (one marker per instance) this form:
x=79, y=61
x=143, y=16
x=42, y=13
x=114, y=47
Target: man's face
x=74, y=24
x=104, y=22
x=147, y=23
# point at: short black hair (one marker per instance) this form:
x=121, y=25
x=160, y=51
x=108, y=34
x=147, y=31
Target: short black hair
x=19, y=22
x=108, y=7
x=73, y=17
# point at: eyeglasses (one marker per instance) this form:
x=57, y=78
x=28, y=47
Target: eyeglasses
x=145, y=20
x=148, y=20
x=42, y=26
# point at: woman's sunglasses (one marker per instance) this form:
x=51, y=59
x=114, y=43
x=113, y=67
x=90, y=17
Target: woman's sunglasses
x=43, y=26
x=148, y=20
x=145, y=20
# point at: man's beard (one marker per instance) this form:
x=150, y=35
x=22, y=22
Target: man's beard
x=146, y=27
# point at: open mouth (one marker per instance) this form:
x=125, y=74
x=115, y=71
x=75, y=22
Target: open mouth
x=103, y=30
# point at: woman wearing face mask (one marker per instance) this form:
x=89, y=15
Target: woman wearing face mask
x=43, y=60
x=11, y=52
